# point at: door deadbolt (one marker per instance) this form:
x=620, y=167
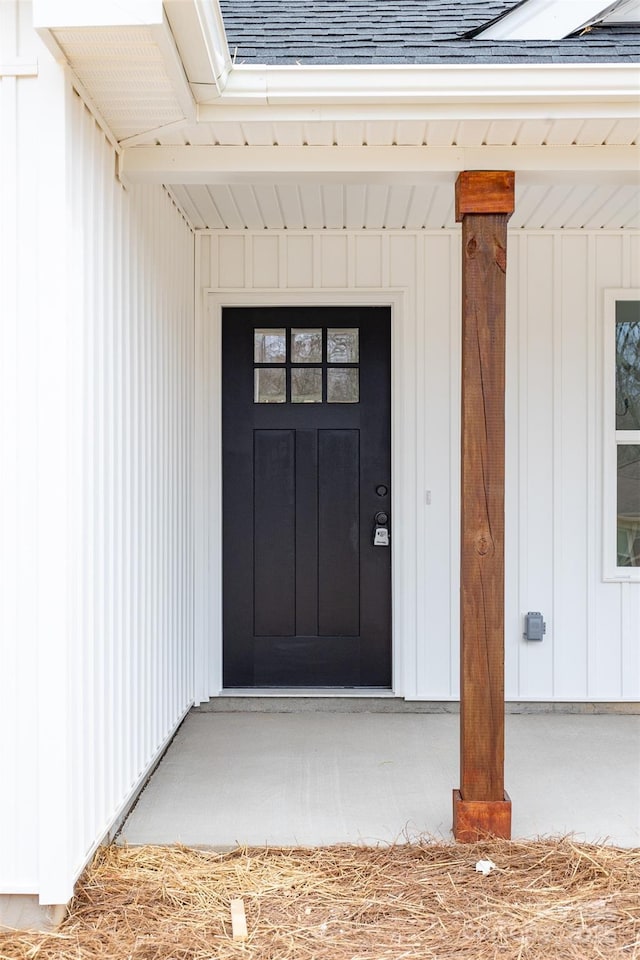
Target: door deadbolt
x=381, y=529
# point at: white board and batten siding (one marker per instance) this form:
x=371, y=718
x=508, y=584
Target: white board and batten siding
x=18, y=456
x=554, y=423
x=96, y=413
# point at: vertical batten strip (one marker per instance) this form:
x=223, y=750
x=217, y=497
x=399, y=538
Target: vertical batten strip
x=523, y=444
x=54, y=501
x=113, y=713
x=557, y=466
x=417, y=674
x=77, y=407
x=592, y=444
x=607, y=664
x=455, y=385
x=12, y=551
x=201, y=679
x=127, y=365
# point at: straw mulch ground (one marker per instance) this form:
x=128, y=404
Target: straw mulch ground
x=550, y=899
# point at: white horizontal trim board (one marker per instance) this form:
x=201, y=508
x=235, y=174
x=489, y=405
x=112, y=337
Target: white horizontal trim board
x=265, y=164
x=553, y=419
x=18, y=68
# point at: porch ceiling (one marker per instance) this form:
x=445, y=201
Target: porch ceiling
x=335, y=206
x=572, y=172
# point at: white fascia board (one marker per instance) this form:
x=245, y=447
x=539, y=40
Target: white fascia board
x=51, y=15
x=545, y=20
x=174, y=66
x=226, y=164
x=425, y=112
x=48, y=14
x=470, y=84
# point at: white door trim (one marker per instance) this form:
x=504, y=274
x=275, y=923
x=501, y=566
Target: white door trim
x=208, y=471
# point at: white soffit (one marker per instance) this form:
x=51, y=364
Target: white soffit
x=540, y=204
x=125, y=58
x=138, y=64
x=552, y=19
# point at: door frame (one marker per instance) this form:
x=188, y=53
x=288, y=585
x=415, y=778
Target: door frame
x=207, y=475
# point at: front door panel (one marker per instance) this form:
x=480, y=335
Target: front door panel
x=306, y=468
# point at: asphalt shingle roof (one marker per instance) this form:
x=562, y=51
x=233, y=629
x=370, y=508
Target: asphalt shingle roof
x=401, y=31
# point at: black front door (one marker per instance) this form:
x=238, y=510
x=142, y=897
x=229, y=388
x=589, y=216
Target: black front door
x=306, y=471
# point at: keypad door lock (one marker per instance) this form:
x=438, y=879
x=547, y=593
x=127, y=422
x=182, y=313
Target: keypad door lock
x=381, y=529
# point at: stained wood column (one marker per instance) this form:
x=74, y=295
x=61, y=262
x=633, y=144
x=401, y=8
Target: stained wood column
x=484, y=203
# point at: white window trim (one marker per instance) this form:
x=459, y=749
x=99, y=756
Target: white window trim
x=611, y=439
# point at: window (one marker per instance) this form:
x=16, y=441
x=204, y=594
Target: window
x=622, y=435
x=319, y=365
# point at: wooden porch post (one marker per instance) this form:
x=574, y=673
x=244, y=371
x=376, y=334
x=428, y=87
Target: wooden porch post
x=484, y=203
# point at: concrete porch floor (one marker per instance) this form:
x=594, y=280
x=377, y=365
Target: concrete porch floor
x=315, y=778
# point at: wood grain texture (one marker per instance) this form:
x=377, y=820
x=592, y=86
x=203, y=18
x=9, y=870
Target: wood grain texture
x=475, y=820
x=482, y=510
x=484, y=191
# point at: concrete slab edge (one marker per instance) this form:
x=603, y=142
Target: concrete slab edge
x=359, y=704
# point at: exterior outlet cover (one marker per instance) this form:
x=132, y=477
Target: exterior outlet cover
x=534, y=626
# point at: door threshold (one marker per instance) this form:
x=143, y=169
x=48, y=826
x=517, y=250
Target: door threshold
x=327, y=692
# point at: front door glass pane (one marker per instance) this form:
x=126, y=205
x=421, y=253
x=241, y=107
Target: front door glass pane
x=269, y=346
x=306, y=385
x=628, y=365
x=270, y=385
x=342, y=345
x=342, y=385
x=306, y=346
x=629, y=505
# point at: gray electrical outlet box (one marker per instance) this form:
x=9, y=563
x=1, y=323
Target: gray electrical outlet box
x=534, y=626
